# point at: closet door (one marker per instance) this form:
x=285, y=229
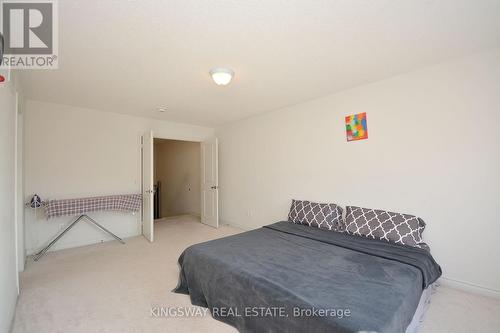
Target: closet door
x=147, y=186
x=209, y=183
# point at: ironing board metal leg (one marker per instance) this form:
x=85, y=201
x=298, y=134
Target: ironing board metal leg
x=42, y=252
x=104, y=229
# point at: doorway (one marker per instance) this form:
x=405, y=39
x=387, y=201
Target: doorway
x=177, y=178
x=170, y=167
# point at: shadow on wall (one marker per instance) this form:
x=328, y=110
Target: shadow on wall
x=177, y=166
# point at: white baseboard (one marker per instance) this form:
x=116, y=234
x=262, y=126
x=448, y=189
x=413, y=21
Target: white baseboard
x=469, y=287
x=84, y=242
x=178, y=216
x=11, y=327
x=235, y=225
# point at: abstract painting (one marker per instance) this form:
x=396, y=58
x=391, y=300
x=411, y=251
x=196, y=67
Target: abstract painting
x=356, y=128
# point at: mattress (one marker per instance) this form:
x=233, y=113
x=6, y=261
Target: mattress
x=288, y=266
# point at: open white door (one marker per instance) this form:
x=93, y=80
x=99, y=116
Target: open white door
x=209, y=183
x=147, y=186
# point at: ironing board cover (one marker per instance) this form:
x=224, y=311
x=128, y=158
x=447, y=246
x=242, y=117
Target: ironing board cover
x=71, y=207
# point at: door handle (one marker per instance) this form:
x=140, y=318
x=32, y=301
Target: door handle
x=214, y=187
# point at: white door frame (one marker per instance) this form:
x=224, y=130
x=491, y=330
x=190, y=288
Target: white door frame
x=159, y=136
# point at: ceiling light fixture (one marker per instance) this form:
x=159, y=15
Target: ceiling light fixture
x=161, y=108
x=222, y=76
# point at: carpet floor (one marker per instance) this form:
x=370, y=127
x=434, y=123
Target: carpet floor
x=111, y=287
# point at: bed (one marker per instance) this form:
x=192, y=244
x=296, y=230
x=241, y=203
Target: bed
x=287, y=277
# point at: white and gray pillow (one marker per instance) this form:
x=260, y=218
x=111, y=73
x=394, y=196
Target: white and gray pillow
x=389, y=226
x=320, y=215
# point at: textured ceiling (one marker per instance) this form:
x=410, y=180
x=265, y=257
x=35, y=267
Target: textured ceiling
x=133, y=56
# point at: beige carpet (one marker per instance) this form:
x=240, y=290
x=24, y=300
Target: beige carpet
x=111, y=288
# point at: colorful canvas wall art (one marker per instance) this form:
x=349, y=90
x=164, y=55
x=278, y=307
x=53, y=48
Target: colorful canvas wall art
x=356, y=128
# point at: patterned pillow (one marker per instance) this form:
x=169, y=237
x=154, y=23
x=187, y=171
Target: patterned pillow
x=379, y=224
x=323, y=216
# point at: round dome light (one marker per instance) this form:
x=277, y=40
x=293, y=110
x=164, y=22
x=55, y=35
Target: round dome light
x=222, y=76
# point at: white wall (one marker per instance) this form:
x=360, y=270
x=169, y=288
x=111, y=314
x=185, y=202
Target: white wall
x=178, y=168
x=433, y=150
x=74, y=152
x=8, y=267
x=20, y=189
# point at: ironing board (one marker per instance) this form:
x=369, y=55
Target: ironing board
x=81, y=206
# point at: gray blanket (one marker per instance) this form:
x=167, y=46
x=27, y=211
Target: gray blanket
x=292, y=278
